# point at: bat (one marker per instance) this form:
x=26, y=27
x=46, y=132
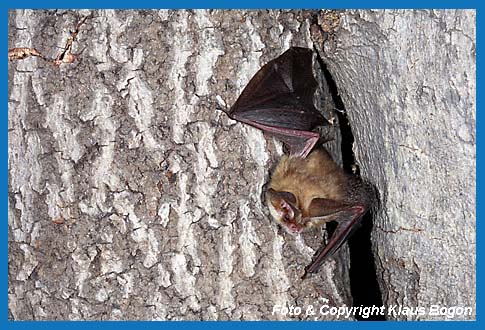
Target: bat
x=279, y=101
x=305, y=193
x=307, y=188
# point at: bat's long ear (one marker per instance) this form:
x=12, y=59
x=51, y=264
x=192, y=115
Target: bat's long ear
x=322, y=210
x=282, y=199
x=284, y=203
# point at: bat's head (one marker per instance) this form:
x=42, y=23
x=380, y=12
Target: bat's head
x=284, y=210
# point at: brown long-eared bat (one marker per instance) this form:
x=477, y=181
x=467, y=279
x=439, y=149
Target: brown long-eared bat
x=305, y=193
x=307, y=188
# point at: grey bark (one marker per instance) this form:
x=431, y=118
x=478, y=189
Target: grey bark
x=131, y=197
x=407, y=79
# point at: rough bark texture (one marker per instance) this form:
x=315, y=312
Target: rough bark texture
x=130, y=196
x=407, y=79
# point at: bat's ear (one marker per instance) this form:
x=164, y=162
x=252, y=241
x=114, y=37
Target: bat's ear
x=281, y=196
x=323, y=206
x=284, y=203
x=322, y=210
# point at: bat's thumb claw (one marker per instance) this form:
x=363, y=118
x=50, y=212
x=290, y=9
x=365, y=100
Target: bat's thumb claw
x=304, y=277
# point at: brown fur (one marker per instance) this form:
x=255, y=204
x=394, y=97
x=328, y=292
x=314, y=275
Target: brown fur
x=305, y=193
x=316, y=176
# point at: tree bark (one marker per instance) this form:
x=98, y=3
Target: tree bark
x=407, y=79
x=131, y=196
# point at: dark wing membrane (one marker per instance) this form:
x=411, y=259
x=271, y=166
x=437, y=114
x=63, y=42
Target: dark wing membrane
x=281, y=94
x=348, y=221
x=296, y=67
x=283, y=115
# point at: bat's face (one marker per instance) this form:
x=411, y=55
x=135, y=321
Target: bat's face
x=284, y=210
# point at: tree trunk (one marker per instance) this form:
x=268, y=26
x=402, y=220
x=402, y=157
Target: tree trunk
x=132, y=197
x=407, y=79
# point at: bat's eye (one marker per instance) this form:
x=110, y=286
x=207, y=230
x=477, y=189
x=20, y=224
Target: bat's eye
x=287, y=217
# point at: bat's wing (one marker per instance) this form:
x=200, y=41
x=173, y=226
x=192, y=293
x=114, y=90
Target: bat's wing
x=348, y=217
x=279, y=101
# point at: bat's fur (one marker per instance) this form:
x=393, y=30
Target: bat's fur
x=316, y=176
x=305, y=193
